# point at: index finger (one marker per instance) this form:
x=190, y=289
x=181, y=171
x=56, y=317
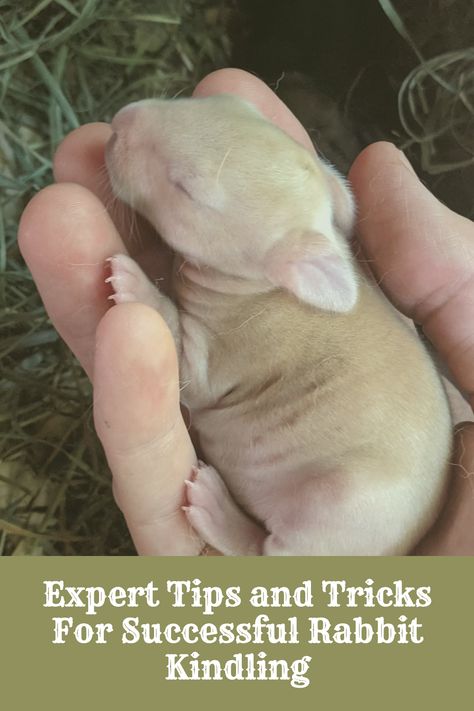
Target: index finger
x=249, y=87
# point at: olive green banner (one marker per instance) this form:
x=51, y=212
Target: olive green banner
x=364, y=633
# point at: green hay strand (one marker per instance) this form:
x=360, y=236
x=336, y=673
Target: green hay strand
x=436, y=103
x=64, y=63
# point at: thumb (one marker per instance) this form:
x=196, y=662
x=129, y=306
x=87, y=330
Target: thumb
x=139, y=422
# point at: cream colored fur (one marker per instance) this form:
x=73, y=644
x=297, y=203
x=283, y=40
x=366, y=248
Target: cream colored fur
x=316, y=409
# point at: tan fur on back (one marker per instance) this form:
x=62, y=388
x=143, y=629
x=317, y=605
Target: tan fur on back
x=330, y=391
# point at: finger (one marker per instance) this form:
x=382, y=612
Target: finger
x=65, y=235
x=80, y=159
x=247, y=86
x=453, y=533
x=421, y=253
x=138, y=419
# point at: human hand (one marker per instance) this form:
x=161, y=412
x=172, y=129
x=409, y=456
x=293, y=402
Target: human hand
x=66, y=235
x=422, y=254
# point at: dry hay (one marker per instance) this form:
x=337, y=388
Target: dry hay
x=64, y=63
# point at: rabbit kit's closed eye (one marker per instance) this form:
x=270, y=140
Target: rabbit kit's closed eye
x=323, y=423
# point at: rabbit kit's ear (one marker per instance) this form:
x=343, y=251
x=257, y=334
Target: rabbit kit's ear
x=343, y=204
x=314, y=269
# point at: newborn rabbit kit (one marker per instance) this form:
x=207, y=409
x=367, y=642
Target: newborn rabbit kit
x=323, y=423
